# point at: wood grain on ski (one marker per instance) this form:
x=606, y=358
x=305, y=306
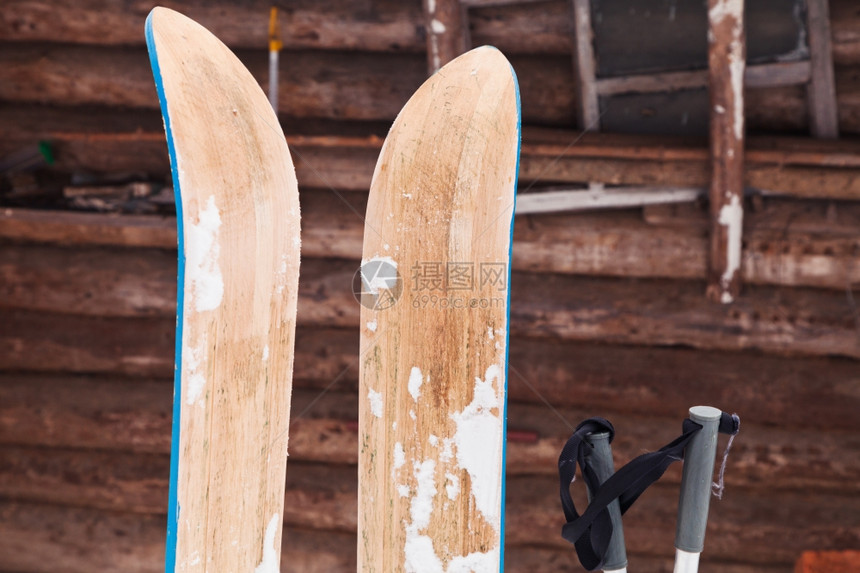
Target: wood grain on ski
x=434, y=342
x=238, y=213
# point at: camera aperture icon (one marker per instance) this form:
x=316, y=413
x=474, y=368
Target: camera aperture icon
x=377, y=285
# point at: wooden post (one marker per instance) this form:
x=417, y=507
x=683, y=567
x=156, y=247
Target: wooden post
x=588, y=112
x=821, y=90
x=726, y=63
x=447, y=30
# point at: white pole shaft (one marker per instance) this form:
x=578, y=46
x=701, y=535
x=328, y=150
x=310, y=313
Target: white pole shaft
x=622, y=570
x=273, y=79
x=686, y=562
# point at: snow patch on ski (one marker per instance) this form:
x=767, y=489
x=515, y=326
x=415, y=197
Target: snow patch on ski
x=478, y=442
x=419, y=552
x=270, y=564
x=376, y=403
x=415, y=381
x=201, y=259
x=196, y=380
x=399, y=456
x=371, y=326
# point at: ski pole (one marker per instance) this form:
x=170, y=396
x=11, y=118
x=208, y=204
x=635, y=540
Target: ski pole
x=600, y=460
x=696, y=489
x=274, y=47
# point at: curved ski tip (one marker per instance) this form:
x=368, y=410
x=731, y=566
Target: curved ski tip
x=170, y=22
x=482, y=56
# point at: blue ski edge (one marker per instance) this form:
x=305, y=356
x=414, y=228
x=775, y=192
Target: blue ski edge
x=507, y=329
x=172, y=504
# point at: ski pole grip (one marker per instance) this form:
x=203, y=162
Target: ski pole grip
x=599, y=459
x=696, y=480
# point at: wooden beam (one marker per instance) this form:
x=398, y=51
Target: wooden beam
x=38, y=537
x=321, y=495
x=821, y=91
x=792, y=244
x=74, y=228
x=658, y=312
x=447, y=28
x=327, y=433
x=758, y=76
x=597, y=197
x=107, y=141
x=588, y=111
x=770, y=216
x=53, y=408
x=515, y=27
x=35, y=536
x=726, y=62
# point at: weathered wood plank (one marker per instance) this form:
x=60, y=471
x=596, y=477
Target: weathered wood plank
x=821, y=91
x=64, y=412
x=756, y=76
x=105, y=140
x=817, y=218
x=386, y=26
x=389, y=25
x=726, y=65
x=792, y=247
x=344, y=85
x=86, y=229
x=88, y=281
x=447, y=27
x=784, y=321
x=40, y=538
x=791, y=321
x=324, y=497
x=588, y=109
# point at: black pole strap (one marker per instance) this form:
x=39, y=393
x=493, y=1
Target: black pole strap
x=591, y=531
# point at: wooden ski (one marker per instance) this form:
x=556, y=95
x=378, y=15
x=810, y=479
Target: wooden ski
x=238, y=215
x=434, y=325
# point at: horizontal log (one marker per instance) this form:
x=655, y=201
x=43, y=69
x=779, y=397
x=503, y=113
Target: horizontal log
x=41, y=538
x=522, y=28
x=817, y=218
x=325, y=497
x=820, y=253
x=37, y=538
x=77, y=413
x=817, y=393
x=653, y=312
x=108, y=141
x=757, y=76
x=344, y=85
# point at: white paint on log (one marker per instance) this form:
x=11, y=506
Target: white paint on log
x=726, y=8
x=731, y=217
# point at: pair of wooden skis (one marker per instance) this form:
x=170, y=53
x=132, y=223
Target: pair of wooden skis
x=434, y=322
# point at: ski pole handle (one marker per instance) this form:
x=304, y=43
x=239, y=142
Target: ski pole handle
x=696, y=489
x=600, y=460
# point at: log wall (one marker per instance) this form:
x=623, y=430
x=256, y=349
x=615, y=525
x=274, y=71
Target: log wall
x=608, y=310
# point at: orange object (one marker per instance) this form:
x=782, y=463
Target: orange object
x=828, y=562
